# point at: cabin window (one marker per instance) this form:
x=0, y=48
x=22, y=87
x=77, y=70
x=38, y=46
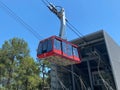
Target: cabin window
x=44, y=46
x=39, y=51
x=57, y=44
x=64, y=47
x=69, y=50
x=75, y=52
x=49, y=46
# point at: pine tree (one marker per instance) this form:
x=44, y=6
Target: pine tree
x=18, y=71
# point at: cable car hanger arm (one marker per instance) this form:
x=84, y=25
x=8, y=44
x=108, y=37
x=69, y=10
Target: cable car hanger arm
x=61, y=15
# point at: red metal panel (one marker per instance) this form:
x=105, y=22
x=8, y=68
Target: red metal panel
x=71, y=57
x=57, y=51
x=45, y=54
x=65, y=55
x=76, y=58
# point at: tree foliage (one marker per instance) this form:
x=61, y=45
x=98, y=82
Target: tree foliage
x=18, y=71
x=44, y=73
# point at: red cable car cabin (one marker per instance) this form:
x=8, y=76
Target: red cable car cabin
x=58, y=51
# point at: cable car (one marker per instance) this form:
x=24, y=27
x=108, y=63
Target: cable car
x=58, y=51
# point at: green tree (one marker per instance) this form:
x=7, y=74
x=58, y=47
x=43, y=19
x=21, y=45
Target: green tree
x=44, y=73
x=28, y=74
x=18, y=71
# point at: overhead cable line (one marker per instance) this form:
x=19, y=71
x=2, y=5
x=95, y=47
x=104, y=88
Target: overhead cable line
x=47, y=1
x=69, y=25
x=20, y=20
x=44, y=2
x=74, y=28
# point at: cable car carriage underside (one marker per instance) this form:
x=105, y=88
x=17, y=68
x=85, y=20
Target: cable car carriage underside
x=58, y=51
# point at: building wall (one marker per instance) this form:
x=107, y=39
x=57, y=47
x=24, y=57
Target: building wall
x=114, y=56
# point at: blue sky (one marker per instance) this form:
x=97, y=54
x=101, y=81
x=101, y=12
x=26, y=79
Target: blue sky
x=87, y=16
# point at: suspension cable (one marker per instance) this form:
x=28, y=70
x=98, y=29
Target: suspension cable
x=69, y=25
x=20, y=20
x=74, y=28
x=75, y=32
x=45, y=3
